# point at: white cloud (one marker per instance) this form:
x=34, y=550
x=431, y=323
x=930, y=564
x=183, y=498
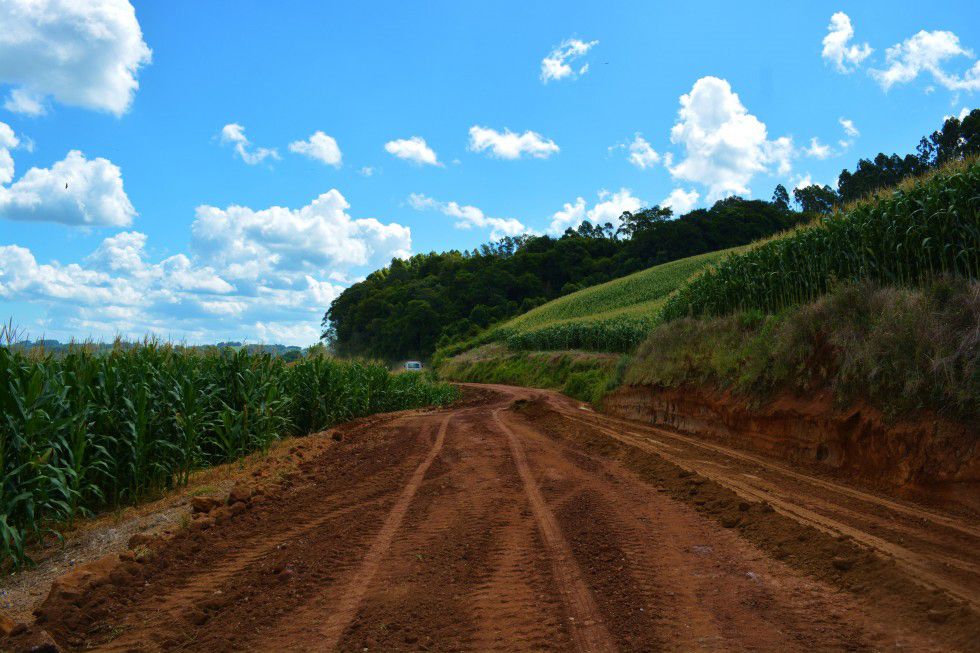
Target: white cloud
x=725, y=145
x=681, y=201
x=24, y=102
x=235, y=134
x=926, y=52
x=835, y=44
x=964, y=112
x=641, y=154
x=85, y=54
x=468, y=216
x=268, y=274
x=74, y=191
x=367, y=171
x=413, y=149
x=608, y=209
x=848, y=126
x=818, y=150
x=8, y=141
x=510, y=145
x=245, y=242
x=557, y=65
x=319, y=146
x=803, y=182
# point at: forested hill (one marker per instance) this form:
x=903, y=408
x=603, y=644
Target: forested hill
x=405, y=310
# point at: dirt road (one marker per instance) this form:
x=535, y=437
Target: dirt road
x=522, y=521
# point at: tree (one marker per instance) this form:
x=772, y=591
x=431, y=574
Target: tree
x=633, y=223
x=780, y=198
x=957, y=139
x=816, y=199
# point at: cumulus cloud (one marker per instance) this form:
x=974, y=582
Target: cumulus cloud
x=641, y=154
x=246, y=243
x=557, y=65
x=928, y=52
x=84, y=54
x=836, y=49
x=234, y=134
x=8, y=141
x=268, y=273
x=817, y=150
x=848, y=126
x=510, y=145
x=319, y=146
x=608, y=208
x=23, y=102
x=468, y=216
x=681, y=201
x=725, y=145
x=74, y=191
x=413, y=149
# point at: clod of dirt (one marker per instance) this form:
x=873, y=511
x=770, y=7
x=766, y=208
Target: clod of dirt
x=138, y=540
x=29, y=640
x=204, y=504
x=938, y=616
x=843, y=563
x=730, y=521
x=239, y=494
x=9, y=627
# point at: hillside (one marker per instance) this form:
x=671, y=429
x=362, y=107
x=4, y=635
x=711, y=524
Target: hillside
x=875, y=303
x=409, y=308
x=612, y=316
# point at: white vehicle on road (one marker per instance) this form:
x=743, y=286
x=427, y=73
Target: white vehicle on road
x=413, y=366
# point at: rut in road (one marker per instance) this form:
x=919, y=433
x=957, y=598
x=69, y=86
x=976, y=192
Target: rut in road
x=588, y=630
x=340, y=613
x=514, y=522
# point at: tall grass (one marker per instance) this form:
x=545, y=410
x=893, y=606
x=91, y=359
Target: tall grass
x=921, y=230
x=901, y=349
x=84, y=430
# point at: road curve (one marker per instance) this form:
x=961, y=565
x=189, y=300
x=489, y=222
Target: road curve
x=521, y=520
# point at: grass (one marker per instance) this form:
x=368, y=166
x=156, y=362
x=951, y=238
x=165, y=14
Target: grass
x=900, y=349
x=587, y=376
x=612, y=317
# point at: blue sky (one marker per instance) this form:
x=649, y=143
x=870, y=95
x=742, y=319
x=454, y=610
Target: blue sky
x=419, y=126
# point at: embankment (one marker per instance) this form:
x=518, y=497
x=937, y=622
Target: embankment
x=925, y=453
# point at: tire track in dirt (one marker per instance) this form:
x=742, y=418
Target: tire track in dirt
x=921, y=567
x=700, y=587
x=350, y=595
x=588, y=629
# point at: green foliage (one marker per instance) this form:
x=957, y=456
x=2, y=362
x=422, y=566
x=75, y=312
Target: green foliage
x=921, y=229
x=613, y=317
x=585, y=376
x=86, y=430
x=409, y=308
x=899, y=348
x=956, y=140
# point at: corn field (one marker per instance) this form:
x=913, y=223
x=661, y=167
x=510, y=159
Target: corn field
x=614, y=335
x=924, y=229
x=84, y=431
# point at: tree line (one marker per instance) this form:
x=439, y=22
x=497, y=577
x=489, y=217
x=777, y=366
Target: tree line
x=414, y=305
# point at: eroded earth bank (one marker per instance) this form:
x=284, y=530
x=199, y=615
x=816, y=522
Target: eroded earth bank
x=521, y=520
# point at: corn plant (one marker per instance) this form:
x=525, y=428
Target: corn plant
x=919, y=231
x=87, y=430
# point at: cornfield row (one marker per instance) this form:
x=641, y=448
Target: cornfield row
x=85, y=431
x=922, y=230
x=615, y=335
